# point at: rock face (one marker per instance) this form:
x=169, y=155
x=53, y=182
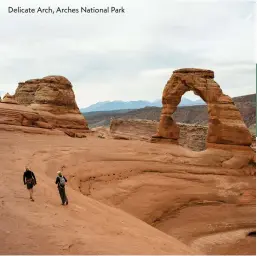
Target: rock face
x=51, y=93
x=253, y=146
x=9, y=99
x=47, y=103
x=226, y=125
x=133, y=129
x=191, y=136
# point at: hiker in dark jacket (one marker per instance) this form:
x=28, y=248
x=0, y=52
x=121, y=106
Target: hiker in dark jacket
x=60, y=181
x=29, y=179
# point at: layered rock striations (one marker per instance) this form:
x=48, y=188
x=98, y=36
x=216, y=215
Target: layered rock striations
x=9, y=99
x=47, y=103
x=132, y=129
x=191, y=136
x=225, y=125
x=53, y=92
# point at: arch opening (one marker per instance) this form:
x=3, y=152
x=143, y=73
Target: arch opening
x=225, y=124
x=192, y=118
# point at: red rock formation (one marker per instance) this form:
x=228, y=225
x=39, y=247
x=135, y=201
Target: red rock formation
x=47, y=103
x=9, y=99
x=226, y=125
x=51, y=93
x=192, y=136
x=132, y=129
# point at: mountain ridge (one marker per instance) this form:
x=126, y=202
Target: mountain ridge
x=135, y=104
x=196, y=114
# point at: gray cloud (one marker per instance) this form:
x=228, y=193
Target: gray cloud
x=131, y=56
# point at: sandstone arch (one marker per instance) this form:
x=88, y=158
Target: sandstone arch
x=226, y=125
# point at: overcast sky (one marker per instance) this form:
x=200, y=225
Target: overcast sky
x=128, y=56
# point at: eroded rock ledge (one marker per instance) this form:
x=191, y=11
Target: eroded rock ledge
x=192, y=137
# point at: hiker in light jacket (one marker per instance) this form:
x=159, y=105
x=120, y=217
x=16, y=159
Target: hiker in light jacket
x=60, y=181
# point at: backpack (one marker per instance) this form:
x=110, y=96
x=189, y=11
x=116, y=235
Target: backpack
x=62, y=181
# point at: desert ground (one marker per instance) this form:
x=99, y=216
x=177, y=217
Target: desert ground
x=125, y=197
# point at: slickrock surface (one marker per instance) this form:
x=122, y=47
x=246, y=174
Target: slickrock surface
x=202, y=207
x=225, y=122
x=85, y=226
x=47, y=103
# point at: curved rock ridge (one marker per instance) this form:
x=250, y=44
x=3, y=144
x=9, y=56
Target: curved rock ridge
x=226, y=125
x=196, y=71
x=47, y=103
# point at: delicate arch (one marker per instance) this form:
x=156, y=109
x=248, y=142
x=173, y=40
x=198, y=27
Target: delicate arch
x=226, y=125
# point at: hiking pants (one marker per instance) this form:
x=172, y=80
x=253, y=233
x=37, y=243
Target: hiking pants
x=62, y=194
